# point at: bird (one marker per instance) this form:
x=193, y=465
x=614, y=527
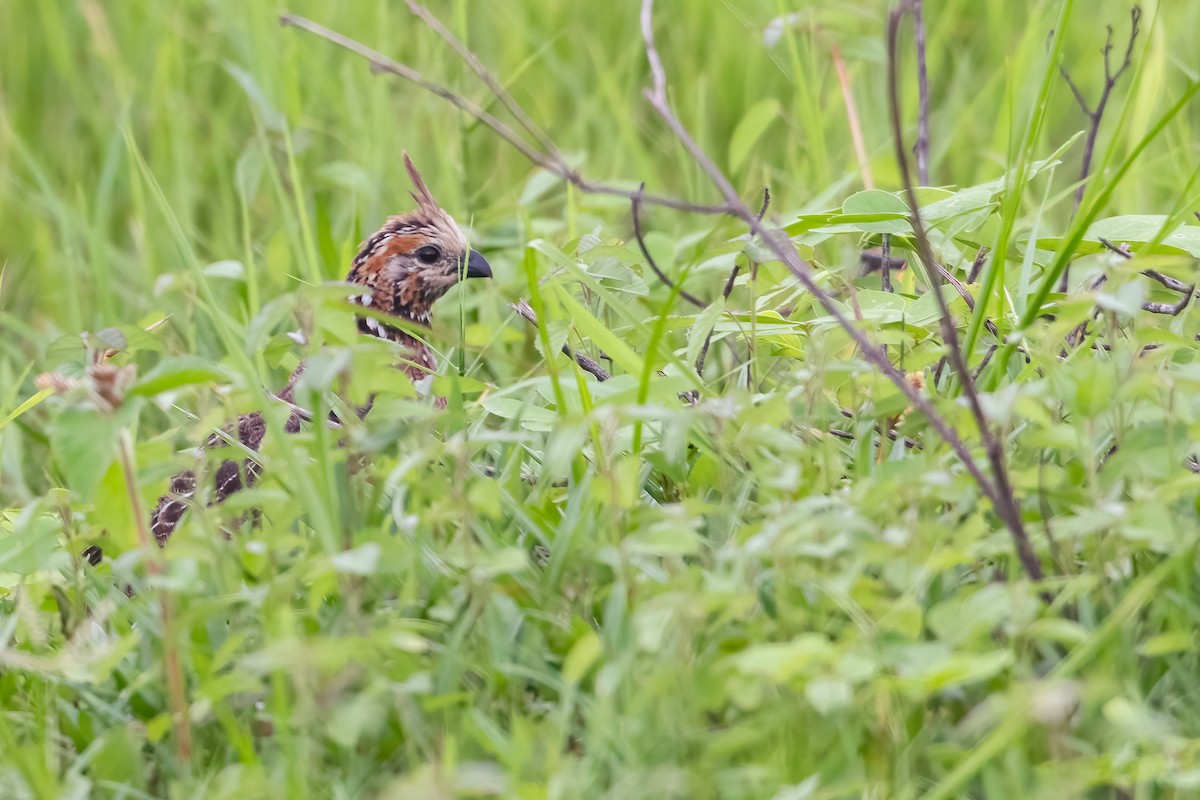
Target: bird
x=399, y=272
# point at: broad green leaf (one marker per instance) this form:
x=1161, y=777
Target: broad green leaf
x=780, y=662
x=362, y=560
x=84, y=443
x=32, y=545
x=664, y=541
x=959, y=203
x=894, y=212
x=502, y=562
x=958, y=669
x=583, y=655
x=532, y=417
x=175, y=371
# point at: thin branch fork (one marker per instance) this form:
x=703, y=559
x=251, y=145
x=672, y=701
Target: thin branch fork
x=1096, y=115
x=1169, y=309
x=1111, y=76
x=552, y=162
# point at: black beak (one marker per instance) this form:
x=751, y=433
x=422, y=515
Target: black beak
x=477, y=266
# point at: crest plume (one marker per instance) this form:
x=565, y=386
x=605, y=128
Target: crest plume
x=422, y=194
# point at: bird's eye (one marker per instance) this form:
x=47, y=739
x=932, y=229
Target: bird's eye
x=429, y=254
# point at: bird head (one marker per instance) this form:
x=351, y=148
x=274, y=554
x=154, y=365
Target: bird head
x=412, y=261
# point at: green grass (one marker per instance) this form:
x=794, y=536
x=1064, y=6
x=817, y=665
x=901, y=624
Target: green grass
x=735, y=603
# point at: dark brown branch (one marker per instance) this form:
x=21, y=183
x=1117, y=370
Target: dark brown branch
x=977, y=266
x=586, y=364
x=921, y=148
x=872, y=261
x=1174, y=284
x=885, y=263
x=1096, y=115
x=492, y=84
x=635, y=210
x=1004, y=498
x=1170, y=309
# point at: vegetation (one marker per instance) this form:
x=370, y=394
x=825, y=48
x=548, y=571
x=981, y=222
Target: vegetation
x=771, y=578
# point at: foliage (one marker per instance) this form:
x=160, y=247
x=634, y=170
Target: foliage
x=559, y=587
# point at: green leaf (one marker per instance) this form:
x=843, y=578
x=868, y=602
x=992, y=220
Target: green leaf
x=892, y=210
x=32, y=545
x=118, y=761
x=532, y=417
x=501, y=562
x=747, y=133
x=84, y=443
x=583, y=655
x=958, y=669
x=782, y=661
x=362, y=560
x=176, y=371
x=600, y=335
x=1180, y=641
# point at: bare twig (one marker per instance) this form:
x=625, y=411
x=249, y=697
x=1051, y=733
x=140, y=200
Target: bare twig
x=885, y=263
x=1170, y=309
x=635, y=211
x=921, y=148
x=872, y=261
x=492, y=84
x=1120, y=249
x=1096, y=116
x=1174, y=284
x=1005, y=499
x=983, y=364
x=657, y=73
x=553, y=163
x=300, y=411
x=586, y=364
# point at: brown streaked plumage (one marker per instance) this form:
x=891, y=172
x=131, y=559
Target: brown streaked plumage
x=403, y=269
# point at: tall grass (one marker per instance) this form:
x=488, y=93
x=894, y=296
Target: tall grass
x=560, y=587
